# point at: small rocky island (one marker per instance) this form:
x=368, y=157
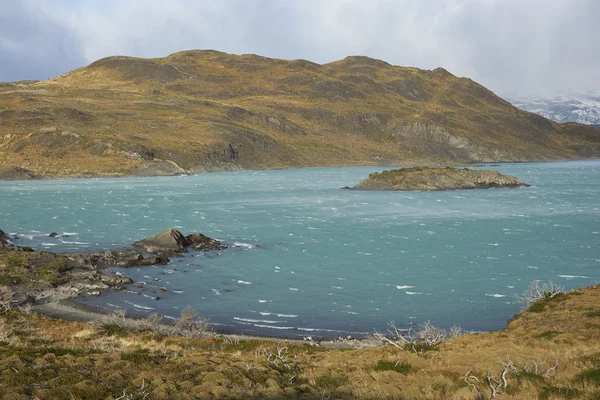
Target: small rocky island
x=429, y=179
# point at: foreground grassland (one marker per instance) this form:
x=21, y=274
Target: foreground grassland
x=550, y=351
x=199, y=111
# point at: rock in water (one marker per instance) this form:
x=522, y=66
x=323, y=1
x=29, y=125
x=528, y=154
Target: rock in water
x=168, y=240
x=424, y=178
x=4, y=239
x=200, y=242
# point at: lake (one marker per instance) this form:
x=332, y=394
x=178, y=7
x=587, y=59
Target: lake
x=307, y=258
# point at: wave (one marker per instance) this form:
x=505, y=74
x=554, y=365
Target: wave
x=573, y=277
x=244, y=282
x=263, y=321
x=275, y=327
x=404, y=287
x=243, y=245
x=411, y=293
x=495, y=295
x=138, y=306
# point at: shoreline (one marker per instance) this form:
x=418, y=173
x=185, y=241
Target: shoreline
x=70, y=310
x=357, y=165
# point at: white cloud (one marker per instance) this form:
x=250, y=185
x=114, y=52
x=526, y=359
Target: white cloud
x=510, y=46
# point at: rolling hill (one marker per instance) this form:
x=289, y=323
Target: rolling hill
x=204, y=110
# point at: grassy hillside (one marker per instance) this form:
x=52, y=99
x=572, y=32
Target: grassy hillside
x=207, y=110
x=549, y=351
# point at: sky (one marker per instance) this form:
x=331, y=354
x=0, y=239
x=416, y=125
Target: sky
x=515, y=48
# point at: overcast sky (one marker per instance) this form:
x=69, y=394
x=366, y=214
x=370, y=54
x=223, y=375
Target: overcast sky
x=513, y=47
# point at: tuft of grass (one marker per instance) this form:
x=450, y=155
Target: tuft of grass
x=547, y=335
x=421, y=347
x=110, y=329
x=540, y=305
x=593, y=314
x=400, y=367
x=142, y=356
x=553, y=392
x=591, y=376
x=330, y=382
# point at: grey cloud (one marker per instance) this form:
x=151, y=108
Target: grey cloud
x=510, y=46
x=33, y=45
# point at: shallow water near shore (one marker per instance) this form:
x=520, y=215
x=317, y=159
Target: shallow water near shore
x=307, y=258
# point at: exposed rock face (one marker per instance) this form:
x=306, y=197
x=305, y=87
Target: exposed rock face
x=168, y=240
x=124, y=258
x=200, y=242
x=16, y=174
x=437, y=179
x=4, y=239
x=173, y=241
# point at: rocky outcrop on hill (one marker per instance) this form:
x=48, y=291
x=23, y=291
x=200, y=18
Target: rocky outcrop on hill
x=16, y=174
x=172, y=241
x=428, y=179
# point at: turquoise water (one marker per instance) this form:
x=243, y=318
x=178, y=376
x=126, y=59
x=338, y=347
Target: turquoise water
x=310, y=259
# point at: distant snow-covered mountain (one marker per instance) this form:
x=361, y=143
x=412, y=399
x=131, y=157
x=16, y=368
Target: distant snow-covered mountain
x=583, y=108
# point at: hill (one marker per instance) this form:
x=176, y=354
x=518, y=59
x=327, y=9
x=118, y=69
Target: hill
x=205, y=110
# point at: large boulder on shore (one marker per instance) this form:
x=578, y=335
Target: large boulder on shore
x=4, y=239
x=172, y=241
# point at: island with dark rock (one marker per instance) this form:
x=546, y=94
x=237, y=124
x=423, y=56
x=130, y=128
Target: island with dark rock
x=430, y=179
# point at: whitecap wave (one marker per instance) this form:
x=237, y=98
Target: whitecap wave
x=573, y=277
x=411, y=293
x=138, y=306
x=244, y=282
x=495, y=295
x=404, y=287
x=243, y=245
x=262, y=321
x=217, y=292
x=274, y=327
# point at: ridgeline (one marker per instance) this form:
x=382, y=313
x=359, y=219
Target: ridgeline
x=205, y=110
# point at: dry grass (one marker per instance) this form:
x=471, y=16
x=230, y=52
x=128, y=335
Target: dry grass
x=552, y=354
x=116, y=115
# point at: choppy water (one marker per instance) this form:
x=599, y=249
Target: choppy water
x=308, y=258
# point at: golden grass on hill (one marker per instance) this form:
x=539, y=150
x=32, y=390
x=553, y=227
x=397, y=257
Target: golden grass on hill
x=553, y=350
x=119, y=114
